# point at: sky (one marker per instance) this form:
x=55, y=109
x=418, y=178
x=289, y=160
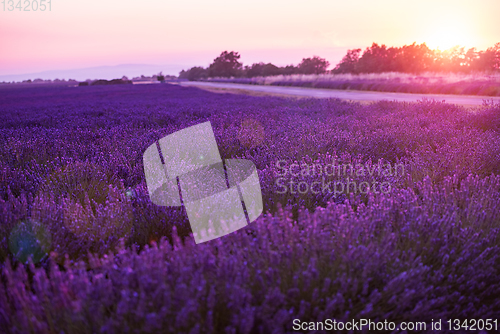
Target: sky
x=179, y=34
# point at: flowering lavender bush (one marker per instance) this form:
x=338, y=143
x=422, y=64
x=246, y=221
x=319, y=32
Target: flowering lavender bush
x=71, y=163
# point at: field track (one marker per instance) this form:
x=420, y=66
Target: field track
x=360, y=96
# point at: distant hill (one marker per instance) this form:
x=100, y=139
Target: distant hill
x=100, y=72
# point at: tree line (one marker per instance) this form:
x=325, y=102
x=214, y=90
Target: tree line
x=417, y=59
x=412, y=58
x=228, y=65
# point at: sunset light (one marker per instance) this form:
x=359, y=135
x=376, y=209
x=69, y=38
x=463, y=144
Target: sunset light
x=178, y=35
x=255, y=166
x=449, y=35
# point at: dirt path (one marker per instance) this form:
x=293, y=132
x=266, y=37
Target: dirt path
x=359, y=96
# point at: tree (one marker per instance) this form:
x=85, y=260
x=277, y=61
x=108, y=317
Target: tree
x=194, y=73
x=255, y=70
x=314, y=65
x=349, y=63
x=489, y=60
x=289, y=70
x=261, y=69
x=183, y=74
x=226, y=65
x=374, y=59
x=413, y=59
x=160, y=77
x=270, y=69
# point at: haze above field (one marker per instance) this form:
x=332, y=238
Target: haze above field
x=80, y=35
x=101, y=72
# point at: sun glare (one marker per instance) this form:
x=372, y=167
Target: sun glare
x=447, y=36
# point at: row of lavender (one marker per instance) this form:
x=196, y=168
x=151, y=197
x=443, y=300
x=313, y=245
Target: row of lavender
x=476, y=87
x=72, y=163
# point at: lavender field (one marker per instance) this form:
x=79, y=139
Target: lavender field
x=104, y=259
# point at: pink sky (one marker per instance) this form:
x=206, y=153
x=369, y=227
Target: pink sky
x=78, y=34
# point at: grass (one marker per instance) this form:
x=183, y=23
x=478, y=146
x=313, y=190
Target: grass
x=484, y=84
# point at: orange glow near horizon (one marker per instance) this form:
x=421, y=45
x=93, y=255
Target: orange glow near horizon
x=448, y=37
x=451, y=30
x=192, y=33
